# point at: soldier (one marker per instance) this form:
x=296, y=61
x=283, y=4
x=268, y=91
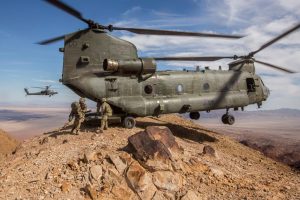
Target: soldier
x=76, y=113
x=106, y=111
x=83, y=104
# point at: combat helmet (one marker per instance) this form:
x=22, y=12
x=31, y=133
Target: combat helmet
x=81, y=100
x=75, y=105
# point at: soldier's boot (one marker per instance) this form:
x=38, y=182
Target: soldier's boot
x=99, y=131
x=76, y=132
x=105, y=126
x=72, y=131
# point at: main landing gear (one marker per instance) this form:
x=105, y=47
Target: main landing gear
x=194, y=115
x=227, y=118
x=129, y=122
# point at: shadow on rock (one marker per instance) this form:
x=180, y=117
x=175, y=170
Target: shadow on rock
x=181, y=131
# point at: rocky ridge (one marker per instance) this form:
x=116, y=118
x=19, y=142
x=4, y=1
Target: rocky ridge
x=203, y=165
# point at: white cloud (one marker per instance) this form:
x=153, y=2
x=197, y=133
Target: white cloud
x=261, y=21
x=45, y=81
x=132, y=10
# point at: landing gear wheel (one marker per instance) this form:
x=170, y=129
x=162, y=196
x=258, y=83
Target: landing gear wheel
x=129, y=122
x=228, y=119
x=194, y=115
x=224, y=118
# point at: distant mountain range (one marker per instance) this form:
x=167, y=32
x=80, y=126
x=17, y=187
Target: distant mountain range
x=278, y=113
x=12, y=115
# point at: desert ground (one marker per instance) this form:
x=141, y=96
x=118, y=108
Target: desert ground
x=197, y=164
x=275, y=133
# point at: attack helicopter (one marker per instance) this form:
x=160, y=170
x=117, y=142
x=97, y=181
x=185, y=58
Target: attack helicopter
x=45, y=91
x=97, y=64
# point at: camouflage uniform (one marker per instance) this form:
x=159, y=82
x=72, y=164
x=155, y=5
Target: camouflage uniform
x=106, y=112
x=83, y=105
x=76, y=113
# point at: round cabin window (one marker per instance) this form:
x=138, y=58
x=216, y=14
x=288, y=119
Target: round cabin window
x=179, y=89
x=148, y=89
x=206, y=86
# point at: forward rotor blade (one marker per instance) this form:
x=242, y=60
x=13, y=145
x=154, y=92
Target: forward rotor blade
x=274, y=66
x=205, y=58
x=173, y=33
x=276, y=39
x=67, y=9
x=48, y=41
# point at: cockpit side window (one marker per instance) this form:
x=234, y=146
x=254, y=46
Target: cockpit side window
x=250, y=84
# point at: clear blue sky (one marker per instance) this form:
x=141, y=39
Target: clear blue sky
x=23, y=23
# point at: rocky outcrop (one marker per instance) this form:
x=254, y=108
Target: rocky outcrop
x=104, y=167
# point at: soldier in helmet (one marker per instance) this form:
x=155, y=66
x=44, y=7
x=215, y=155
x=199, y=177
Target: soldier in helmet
x=82, y=104
x=106, y=111
x=76, y=113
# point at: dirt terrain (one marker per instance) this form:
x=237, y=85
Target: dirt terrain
x=58, y=165
x=7, y=144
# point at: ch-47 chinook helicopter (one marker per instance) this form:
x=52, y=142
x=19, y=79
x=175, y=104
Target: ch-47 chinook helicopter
x=45, y=91
x=98, y=65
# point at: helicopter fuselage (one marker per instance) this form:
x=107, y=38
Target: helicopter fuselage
x=173, y=91
x=162, y=91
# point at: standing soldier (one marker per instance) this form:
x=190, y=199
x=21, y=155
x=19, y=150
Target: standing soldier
x=82, y=104
x=106, y=111
x=78, y=115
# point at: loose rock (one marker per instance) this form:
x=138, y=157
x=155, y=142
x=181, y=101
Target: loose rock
x=96, y=172
x=190, y=195
x=140, y=181
x=90, y=156
x=208, y=150
x=119, y=164
x=166, y=180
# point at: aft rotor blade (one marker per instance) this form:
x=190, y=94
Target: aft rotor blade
x=276, y=39
x=67, y=9
x=275, y=67
x=173, y=33
x=204, y=58
x=48, y=41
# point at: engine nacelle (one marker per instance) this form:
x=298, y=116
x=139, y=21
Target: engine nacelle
x=135, y=66
x=243, y=65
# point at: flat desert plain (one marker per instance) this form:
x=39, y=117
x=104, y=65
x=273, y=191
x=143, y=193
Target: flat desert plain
x=276, y=132
x=22, y=123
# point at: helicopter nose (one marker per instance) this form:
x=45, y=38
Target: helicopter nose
x=266, y=92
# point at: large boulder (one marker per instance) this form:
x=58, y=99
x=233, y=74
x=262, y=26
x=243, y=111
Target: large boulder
x=155, y=147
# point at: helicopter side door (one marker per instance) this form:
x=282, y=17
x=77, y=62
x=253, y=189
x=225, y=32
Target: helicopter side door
x=252, y=89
